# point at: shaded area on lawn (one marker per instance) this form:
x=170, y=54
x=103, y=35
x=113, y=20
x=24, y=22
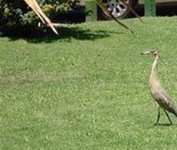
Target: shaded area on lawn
x=67, y=33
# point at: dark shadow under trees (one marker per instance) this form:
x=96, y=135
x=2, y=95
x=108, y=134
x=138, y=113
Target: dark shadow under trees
x=65, y=33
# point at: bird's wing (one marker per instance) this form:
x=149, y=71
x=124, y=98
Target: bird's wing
x=33, y=4
x=164, y=100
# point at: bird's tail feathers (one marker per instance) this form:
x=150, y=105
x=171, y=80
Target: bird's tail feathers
x=174, y=110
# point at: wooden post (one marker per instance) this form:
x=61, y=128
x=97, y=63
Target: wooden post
x=91, y=10
x=150, y=7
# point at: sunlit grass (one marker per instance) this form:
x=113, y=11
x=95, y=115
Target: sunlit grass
x=88, y=89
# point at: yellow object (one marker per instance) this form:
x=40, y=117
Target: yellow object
x=35, y=7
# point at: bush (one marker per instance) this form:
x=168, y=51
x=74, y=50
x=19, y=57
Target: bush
x=16, y=14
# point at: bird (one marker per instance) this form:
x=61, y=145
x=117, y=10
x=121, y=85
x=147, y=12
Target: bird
x=159, y=94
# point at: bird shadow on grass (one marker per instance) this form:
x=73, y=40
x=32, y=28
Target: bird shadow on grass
x=163, y=125
x=65, y=33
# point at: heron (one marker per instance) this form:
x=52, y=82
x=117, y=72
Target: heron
x=159, y=94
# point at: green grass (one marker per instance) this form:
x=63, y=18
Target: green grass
x=87, y=89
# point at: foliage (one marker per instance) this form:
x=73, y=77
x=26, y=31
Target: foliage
x=14, y=14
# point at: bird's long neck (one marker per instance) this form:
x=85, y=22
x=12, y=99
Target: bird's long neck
x=153, y=76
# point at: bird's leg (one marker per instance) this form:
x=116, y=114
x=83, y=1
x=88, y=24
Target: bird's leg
x=168, y=117
x=158, y=116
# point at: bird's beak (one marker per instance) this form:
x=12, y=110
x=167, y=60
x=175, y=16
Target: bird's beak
x=148, y=52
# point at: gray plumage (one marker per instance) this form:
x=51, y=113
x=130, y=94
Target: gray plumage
x=157, y=91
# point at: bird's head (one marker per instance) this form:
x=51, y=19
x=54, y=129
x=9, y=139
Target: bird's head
x=153, y=52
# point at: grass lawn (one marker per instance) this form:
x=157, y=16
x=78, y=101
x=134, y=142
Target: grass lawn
x=88, y=88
